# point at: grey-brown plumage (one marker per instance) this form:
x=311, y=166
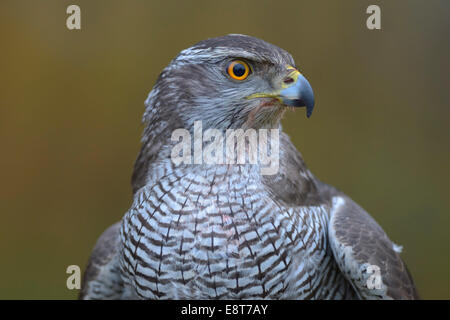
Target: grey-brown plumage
x=227, y=231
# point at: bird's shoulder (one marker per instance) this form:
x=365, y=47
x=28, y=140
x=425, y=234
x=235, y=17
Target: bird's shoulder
x=363, y=251
x=102, y=278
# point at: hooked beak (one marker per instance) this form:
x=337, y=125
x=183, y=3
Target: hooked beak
x=295, y=92
x=299, y=93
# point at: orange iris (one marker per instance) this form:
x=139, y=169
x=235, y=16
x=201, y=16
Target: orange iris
x=238, y=70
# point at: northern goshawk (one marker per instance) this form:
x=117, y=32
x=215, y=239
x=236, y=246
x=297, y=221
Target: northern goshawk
x=224, y=230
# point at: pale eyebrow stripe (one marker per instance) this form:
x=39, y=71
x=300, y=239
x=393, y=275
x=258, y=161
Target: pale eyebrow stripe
x=195, y=55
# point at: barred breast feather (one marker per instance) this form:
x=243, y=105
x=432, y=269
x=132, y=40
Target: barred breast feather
x=214, y=232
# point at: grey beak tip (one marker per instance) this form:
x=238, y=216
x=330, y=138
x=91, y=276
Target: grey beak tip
x=309, y=111
x=300, y=95
x=309, y=106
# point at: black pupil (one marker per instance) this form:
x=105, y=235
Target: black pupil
x=239, y=69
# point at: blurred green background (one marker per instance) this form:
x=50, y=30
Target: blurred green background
x=72, y=101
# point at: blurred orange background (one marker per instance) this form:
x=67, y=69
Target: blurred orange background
x=71, y=104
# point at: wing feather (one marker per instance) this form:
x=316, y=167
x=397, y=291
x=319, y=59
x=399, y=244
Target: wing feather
x=365, y=254
x=102, y=278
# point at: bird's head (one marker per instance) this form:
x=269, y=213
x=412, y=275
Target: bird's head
x=230, y=82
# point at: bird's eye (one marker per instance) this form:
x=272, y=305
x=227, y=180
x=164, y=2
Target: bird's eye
x=238, y=70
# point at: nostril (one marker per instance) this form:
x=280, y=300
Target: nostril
x=288, y=80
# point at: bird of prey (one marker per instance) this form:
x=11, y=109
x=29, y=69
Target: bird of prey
x=227, y=231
